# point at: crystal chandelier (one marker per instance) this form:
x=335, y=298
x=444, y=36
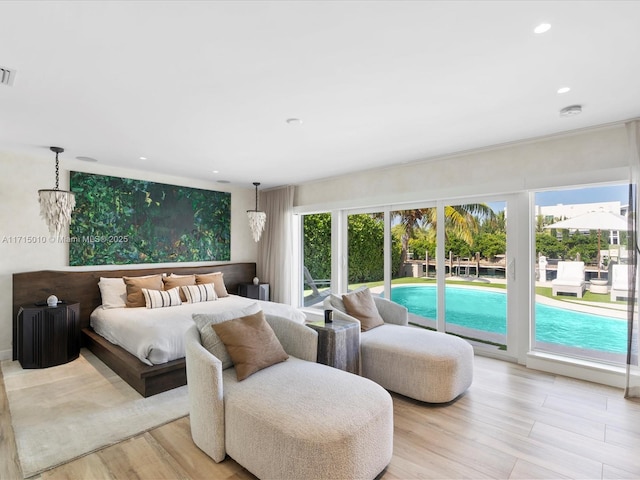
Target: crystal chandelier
x=257, y=219
x=56, y=205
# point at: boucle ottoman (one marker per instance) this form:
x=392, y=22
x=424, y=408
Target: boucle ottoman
x=428, y=366
x=308, y=421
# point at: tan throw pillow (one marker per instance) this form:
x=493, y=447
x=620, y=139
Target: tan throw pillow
x=210, y=340
x=135, y=286
x=360, y=304
x=181, y=281
x=251, y=343
x=218, y=282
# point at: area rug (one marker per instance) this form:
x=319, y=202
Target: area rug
x=64, y=412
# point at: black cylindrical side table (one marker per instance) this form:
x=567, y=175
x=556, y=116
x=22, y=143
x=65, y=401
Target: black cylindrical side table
x=48, y=336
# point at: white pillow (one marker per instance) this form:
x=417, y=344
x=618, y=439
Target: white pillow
x=210, y=339
x=199, y=293
x=113, y=292
x=162, y=298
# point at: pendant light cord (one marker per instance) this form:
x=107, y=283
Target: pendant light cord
x=57, y=172
x=256, y=184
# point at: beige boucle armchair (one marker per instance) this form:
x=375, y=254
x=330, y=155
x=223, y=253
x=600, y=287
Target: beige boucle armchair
x=293, y=420
x=422, y=364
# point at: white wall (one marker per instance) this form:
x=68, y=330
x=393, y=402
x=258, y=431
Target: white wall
x=23, y=175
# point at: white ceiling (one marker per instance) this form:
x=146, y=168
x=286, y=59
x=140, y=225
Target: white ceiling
x=203, y=86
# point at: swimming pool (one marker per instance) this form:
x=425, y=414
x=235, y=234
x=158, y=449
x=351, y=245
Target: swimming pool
x=486, y=310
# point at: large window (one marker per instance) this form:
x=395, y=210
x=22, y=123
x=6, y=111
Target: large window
x=483, y=268
x=580, y=243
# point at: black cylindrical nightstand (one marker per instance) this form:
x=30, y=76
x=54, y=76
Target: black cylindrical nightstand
x=48, y=336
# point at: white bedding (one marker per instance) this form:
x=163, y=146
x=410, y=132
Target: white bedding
x=156, y=335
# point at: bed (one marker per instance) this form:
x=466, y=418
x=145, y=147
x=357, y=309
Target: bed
x=156, y=336
x=82, y=286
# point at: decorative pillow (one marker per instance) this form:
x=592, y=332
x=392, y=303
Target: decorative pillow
x=360, y=304
x=336, y=300
x=218, y=282
x=208, y=335
x=161, y=298
x=199, y=293
x=113, y=292
x=251, y=343
x=135, y=286
x=175, y=281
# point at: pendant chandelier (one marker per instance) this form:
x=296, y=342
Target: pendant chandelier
x=56, y=205
x=257, y=219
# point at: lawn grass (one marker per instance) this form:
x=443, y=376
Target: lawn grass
x=587, y=296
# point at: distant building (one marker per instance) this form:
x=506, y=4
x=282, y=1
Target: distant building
x=555, y=213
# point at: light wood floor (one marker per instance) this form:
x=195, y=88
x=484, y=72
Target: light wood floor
x=512, y=423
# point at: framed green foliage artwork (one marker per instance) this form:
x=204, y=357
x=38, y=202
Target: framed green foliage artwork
x=123, y=221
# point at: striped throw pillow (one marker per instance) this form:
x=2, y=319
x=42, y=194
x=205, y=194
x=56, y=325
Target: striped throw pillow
x=162, y=298
x=205, y=292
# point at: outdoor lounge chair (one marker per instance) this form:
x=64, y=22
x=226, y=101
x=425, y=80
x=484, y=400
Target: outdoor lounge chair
x=316, y=295
x=570, y=279
x=619, y=282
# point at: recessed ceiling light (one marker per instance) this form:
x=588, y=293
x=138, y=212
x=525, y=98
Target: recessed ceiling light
x=294, y=121
x=542, y=28
x=216, y=171
x=564, y=90
x=143, y=158
x=571, y=111
x=86, y=159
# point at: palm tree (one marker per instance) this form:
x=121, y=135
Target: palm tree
x=461, y=221
x=409, y=220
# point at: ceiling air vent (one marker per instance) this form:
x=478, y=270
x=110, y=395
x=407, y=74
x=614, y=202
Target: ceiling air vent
x=6, y=76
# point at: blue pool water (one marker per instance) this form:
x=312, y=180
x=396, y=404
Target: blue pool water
x=486, y=310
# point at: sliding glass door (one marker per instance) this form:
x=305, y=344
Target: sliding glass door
x=475, y=281
x=581, y=264
x=413, y=263
x=488, y=269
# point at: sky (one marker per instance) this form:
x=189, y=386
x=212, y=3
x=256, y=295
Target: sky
x=584, y=195
x=576, y=196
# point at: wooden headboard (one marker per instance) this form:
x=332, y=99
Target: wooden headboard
x=82, y=286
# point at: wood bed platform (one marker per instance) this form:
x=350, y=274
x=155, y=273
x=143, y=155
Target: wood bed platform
x=82, y=287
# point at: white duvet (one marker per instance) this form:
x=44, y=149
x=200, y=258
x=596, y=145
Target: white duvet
x=156, y=335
